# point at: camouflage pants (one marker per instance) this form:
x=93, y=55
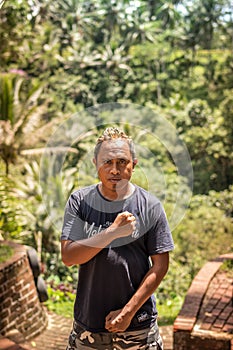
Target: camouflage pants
x=144, y=339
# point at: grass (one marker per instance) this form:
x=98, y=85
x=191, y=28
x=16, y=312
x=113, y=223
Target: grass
x=169, y=310
x=6, y=252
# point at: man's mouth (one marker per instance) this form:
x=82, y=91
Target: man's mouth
x=115, y=179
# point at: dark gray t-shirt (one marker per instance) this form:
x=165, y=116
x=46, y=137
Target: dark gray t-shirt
x=109, y=279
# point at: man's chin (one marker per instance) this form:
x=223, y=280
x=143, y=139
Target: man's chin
x=119, y=185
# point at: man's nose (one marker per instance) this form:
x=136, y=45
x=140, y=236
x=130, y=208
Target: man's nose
x=115, y=168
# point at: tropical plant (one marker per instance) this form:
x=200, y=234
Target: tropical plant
x=174, y=57
x=20, y=118
x=13, y=216
x=44, y=207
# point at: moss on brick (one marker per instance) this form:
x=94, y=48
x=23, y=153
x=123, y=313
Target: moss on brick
x=6, y=252
x=227, y=267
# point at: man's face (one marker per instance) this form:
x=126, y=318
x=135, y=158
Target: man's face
x=115, y=166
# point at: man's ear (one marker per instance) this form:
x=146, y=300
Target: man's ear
x=94, y=161
x=135, y=162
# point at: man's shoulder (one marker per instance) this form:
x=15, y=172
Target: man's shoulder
x=146, y=195
x=84, y=190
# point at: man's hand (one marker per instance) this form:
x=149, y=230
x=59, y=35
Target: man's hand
x=117, y=321
x=124, y=224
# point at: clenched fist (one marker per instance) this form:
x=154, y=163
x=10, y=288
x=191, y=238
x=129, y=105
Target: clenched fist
x=124, y=224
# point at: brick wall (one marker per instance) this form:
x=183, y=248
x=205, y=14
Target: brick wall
x=205, y=321
x=20, y=308
x=187, y=341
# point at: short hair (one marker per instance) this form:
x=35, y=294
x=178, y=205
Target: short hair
x=113, y=133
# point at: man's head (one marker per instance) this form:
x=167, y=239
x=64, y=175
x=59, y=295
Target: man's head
x=115, y=158
x=110, y=134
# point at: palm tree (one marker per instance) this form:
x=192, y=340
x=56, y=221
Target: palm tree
x=169, y=15
x=22, y=126
x=202, y=19
x=19, y=117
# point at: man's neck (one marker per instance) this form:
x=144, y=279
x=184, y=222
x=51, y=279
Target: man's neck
x=116, y=195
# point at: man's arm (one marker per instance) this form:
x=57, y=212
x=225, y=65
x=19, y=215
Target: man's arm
x=119, y=320
x=79, y=252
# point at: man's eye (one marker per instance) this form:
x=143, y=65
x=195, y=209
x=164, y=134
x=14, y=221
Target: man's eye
x=122, y=161
x=107, y=161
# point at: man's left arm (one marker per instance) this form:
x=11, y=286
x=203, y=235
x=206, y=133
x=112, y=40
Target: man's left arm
x=119, y=320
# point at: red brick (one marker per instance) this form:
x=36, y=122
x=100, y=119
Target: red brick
x=217, y=295
x=4, y=323
x=225, y=313
x=216, y=312
x=209, y=308
x=15, y=296
x=228, y=328
x=206, y=325
x=18, y=286
x=210, y=319
x=229, y=293
x=221, y=290
x=213, y=302
x=225, y=299
x=220, y=305
x=5, y=313
x=25, y=290
x=7, y=303
x=184, y=323
x=219, y=323
x=216, y=329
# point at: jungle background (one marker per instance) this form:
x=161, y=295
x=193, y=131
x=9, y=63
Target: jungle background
x=61, y=57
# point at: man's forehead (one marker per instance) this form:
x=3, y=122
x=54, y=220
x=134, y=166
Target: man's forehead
x=115, y=143
x=118, y=146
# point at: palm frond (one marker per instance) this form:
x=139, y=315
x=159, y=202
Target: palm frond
x=1, y=3
x=52, y=150
x=31, y=123
x=6, y=98
x=16, y=92
x=26, y=112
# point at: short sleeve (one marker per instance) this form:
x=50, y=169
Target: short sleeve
x=73, y=225
x=159, y=238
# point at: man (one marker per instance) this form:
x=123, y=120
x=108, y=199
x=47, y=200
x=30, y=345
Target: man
x=118, y=233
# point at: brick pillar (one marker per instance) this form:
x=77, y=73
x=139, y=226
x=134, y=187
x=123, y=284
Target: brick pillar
x=20, y=308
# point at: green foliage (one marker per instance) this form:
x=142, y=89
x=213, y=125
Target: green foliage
x=58, y=58
x=21, y=114
x=204, y=233
x=227, y=266
x=12, y=213
x=61, y=294
x=56, y=273
x=168, y=310
x=60, y=302
x=5, y=252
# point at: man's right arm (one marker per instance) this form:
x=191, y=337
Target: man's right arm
x=81, y=251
